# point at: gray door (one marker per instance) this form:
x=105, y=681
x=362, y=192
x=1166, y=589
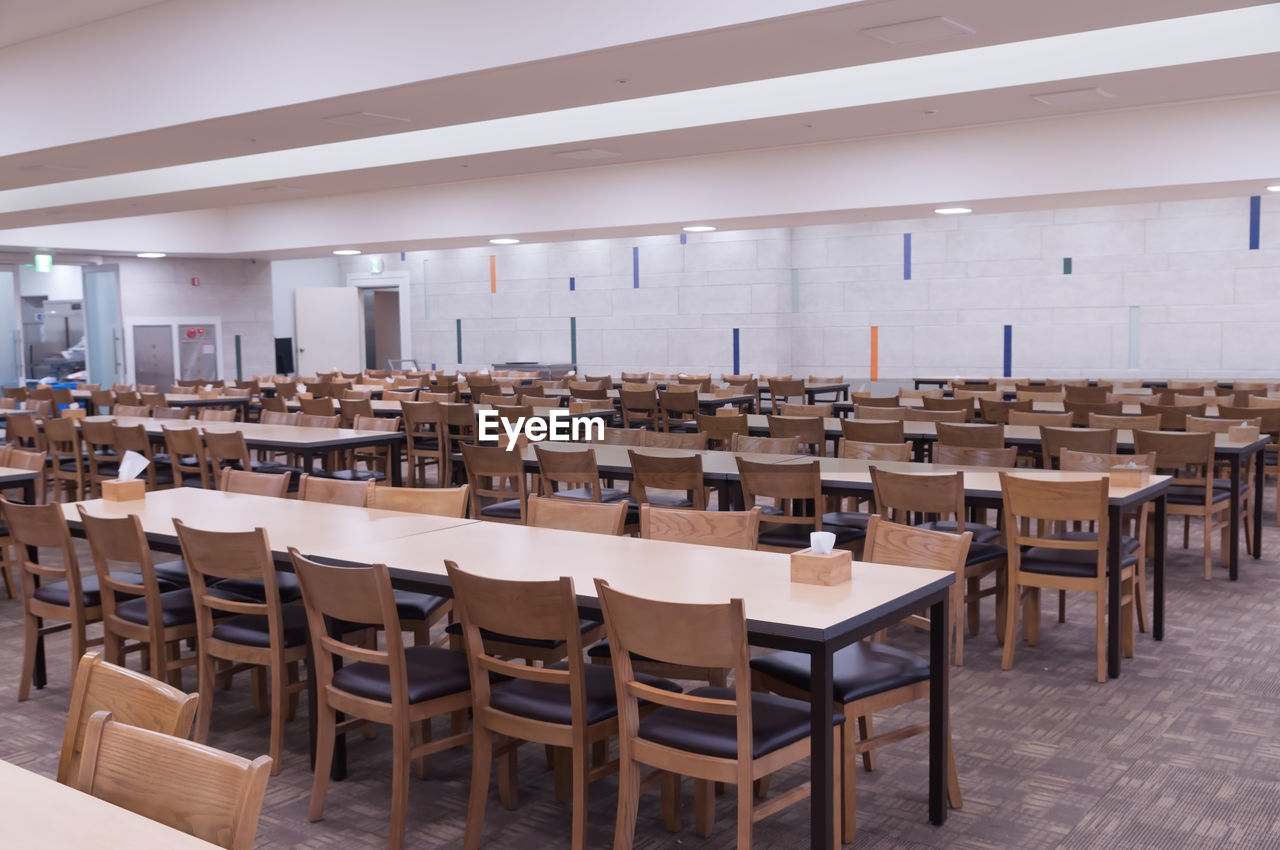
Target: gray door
x=198, y=352
x=153, y=355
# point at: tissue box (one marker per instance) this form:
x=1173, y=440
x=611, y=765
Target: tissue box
x=808, y=567
x=579, y=407
x=115, y=490
x=1130, y=476
x=1243, y=433
x=74, y=413
x=728, y=410
x=725, y=392
x=203, y=393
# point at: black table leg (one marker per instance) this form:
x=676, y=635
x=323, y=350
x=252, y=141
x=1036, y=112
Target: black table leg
x=40, y=676
x=1157, y=593
x=1259, y=488
x=939, y=709
x=393, y=458
x=821, y=750
x=1234, y=546
x=1113, y=591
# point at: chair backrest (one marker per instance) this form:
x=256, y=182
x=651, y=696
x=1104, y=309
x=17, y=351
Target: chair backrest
x=859, y=450
x=907, y=546
x=795, y=488
x=1005, y=457
x=254, y=483
x=335, y=491
x=898, y=495
x=577, y=515
x=1173, y=417
x=911, y=414
x=64, y=442
x=321, y=406
x=43, y=526
x=1041, y=394
x=784, y=389
x=823, y=409
x=1087, y=394
x=1034, y=506
x=873, y=430
x=376, y=423
x=241, y=555
x=811, y=431
x=214, y=414
x=920, y=394
x=880, y=412
x=208, y=793
x=976, y=436
x=730, y=529
x=764, y=445
x=22, y=429
x=677, y=405
x=962, y=404
x=349, y=409
x=227, y=447
x=1220, y=426
x=997, y=412
x=19, y=458
x=694, y=441
x=1188, y=454
x=134, y=698
x=494, y=474
x=312, y=420
x=588, y=391
x=280, y=417
x=440, y=501
x=116, y=542
x=683, y=473
x=186, y=443
x=568, y=469
x=623, y=436
x=1053, y=420
x=1268, y=417
x=1080, y=410
x=877, y=401
x=720, y=429
x=1054, y=440
x=1150, y=422
x=164, y=412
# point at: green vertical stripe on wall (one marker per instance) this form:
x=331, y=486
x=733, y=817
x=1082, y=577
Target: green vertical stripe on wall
x=573, y=341
x=1066, y=265
x=458, y=327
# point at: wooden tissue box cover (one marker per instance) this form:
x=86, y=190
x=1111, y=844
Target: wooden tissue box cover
x=808, y=567
x=727, y=411
x=1130, y=476
x=1243, y=433
x=74, y=413
x=724, y=392
x=115, y=490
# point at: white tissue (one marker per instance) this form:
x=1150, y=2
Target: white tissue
x=822, y=542
x=131, y=466
x=302, y=388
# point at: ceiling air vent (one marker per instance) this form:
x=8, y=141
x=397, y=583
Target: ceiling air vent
x=914, y=32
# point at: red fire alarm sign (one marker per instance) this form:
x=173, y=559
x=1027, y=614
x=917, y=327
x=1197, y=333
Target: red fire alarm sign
x=195, y=281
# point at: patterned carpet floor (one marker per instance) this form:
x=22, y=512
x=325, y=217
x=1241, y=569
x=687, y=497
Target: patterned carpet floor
x=1183, y=751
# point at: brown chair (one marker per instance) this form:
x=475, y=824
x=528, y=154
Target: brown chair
x=316, y=406
x=1042, y=557
x=438, y=501
x=195, y=789
x=576, y=472
x=401, y=687
x=134, y=698
x=794, y=509
x=185, y=452
x=679, y=409
x=228, y=450
x=857, y=450
x=1080, y=410
x=171, y=412
x=1189, y=457
x=217, y=414
x=730, y=529
x=140, y=607
x=1173, y=417
x=622, y=437
x=965, y=405
x=1269, y=424
x=911, y=414
x=811, y=431
x=639, y=407
x=997, y=412
x=678, y=479
x=376, y=459
x=742, y=443
x=720, y=429
x=782, y=390
x=333, y=491
x=1053, y=420
x=1150, y=422
x=823, y=410
x=577, y=515
x=870, y=677
x=1086, y=394
x=9, y=554
x=499, y=486
x=588, y=391
x=722, y=720
x=234, y=480
x=975, y=456
x=134, y=438
x=919, y=393
x=50, y=592
x=974, y=436
x=1054, y=440
x=249, y=632
x=349, y=409
x=939, y=498
x=66, y=460
x=876, y=401
x=873, y=430
x=571, y=706
x=100, y=451
x=425, y=441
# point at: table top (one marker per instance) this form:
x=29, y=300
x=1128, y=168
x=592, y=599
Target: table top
x=313, y=526
x=15, y=474
x=73, y=820
x=616, y=459
x=256, y=432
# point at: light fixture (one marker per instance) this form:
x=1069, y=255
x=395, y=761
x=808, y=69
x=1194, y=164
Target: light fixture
x=699, y=228
x=504, y=240
x=952, y=210
x=346, y=252
x=1275, y=188
x=151, y=255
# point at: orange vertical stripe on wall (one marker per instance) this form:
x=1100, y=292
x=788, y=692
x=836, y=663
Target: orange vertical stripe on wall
x=875, y=353
x=493, y=274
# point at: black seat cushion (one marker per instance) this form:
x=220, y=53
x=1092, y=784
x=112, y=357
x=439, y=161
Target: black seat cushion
x=358, y=475
x=509, y=509
x=251, y=629
x=250, y=590
x=797, y=535
x=981, y=533
x=853, y=519
x=775, y=722
x=432, y=673
x=416, y=606
x=1076, y=563
x=174, y=573
x=57, y=593
x=550, y=702
x=176, y=609
x=1182, y=494
x=607, y=494
x=537, y=643
x=980, y=553
x=859, y=670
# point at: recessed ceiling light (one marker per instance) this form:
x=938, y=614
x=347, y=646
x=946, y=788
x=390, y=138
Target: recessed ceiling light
x=1275, y=188
x=151, y=255
x=699, y=228
x=504, y=240
x=346, y=252
x=952, y=210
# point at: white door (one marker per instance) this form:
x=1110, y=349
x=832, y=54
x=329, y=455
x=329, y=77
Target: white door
x=327, y=328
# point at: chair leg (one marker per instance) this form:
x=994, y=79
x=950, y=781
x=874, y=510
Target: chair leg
x=1062, y=606
x=481, y=761
x=1208, y=547
x=204, y=708
x=1010, y=624
x=849, y=782
x=31, y=637
x=745, y=820
x=671, y=818
x=1100, y=636
x=704, y=808
x=399, y=785
x=865, y=733
x=1031, y=616
x=325, y=734
x=971, y=608
x=279, y=707
x=578, y=757
x=624, y=831
x=508, y=779
x=953, y=776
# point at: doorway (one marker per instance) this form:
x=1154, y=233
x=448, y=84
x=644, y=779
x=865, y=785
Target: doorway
x=381, y=327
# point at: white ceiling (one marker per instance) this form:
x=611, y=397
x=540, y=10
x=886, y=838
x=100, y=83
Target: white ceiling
x=208, y=128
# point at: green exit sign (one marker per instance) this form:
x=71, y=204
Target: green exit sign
x=44, y=262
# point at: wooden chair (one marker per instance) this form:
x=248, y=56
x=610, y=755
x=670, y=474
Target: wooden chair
x=920, y=394
x=66, y=460
x=729, y=529
x=100, y=450
x=425, y=442
x=204, y=792
x=997, y=412
x=64, y=596
x=720, y=429
x=870, y=401
x=679, y=409
x=187, y=457
x=873, y=430
x=871, y=677
x=782, y=390
x=858, y=450
x=939, y=498
x=1041, y=394
x=142, y=606
x=694, y=441
x=349, y=409
x=1173, y=417
x=217, y=414
x=639, y=407
x=576, y=471
x=134, y=698
x=1150, y=422
x=1053, y=420
x=679, y=480
x=333, y=491
x=1269, y=424
x=1189, y=458
x=911, y=414
x=496, y=474
x=811, y=431
x=570, y=706
x=401, y=687
x=724, y=719
x=577, y=515
x=439, y=501
x=974, y=436
x=1086, y=394
x=171, y=412
x=964, y=405
x=1080, y=410
x=376, y=459
x=1005, y=457
x=796, y=509
x=10, y=556
x=250, y=633
x=228, y=450
x=1054, y=440
x=233, y=480
x=741, y=443
x=823, y=410
x=134, y=438
x=1042, y=557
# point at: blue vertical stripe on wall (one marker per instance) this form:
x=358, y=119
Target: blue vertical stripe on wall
x=1008, y=351
x=433, y=366
x=906, y=256
x=458, y=328
x=1255, y=221
x=684, y=238
x=737, y=366
x=402, y=256
x=572, y=284
x=635, y=267
x=573, y=340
